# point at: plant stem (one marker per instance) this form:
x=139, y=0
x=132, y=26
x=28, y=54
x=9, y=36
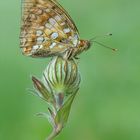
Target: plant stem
x=54, y=133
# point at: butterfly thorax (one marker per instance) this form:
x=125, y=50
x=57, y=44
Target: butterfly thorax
x=73, y=52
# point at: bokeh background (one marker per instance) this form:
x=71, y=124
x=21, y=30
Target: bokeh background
x=108, y=104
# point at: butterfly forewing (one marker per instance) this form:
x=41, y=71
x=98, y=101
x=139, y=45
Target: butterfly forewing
x=47, y=29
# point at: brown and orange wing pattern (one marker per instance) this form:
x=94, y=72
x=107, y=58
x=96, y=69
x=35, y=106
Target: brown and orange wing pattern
x=47, y=29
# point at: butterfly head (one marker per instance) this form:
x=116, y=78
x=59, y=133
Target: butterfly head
x=85, y=44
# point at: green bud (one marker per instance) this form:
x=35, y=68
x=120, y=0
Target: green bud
x=62, y=76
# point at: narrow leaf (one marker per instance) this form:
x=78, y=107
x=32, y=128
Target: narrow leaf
x=63, y=113
x=48, y=116
x=39, y=86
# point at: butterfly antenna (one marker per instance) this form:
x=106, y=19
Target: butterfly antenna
x=99, y=36
x=108, y=34
x=113, y=49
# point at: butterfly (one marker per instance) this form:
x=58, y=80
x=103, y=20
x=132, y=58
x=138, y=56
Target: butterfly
x=48, y=30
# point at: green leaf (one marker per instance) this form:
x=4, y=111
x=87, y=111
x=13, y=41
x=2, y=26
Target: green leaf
x=43, y=91
x=35, y=93
x=63, y=113
x=48, y=116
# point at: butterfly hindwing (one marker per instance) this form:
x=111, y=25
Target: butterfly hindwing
x=47, y=29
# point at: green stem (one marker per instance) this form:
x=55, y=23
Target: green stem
x=52, y=135
x=55, y=132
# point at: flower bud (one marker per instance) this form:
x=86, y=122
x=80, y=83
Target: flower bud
x=62, y=76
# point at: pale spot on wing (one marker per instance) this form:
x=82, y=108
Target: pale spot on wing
x=52, y=21
x=48, y=25
x=58, y=18
x=54, y=35
x=47, y=31
x=52, y=45
x=66, y=30
x=75, y=40
x=32, y=17
x=41, y=46
x=23, y=41
x=35, y=47
x=41, y=27
x=63, y=23
x=39, y=11
x=23, y=33
x=39, y=33
x=47, y=10
x=40, y=40
x=60, y=46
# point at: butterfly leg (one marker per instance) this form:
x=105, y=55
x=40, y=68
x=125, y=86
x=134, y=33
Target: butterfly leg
x=76, y=57
x=69, y=54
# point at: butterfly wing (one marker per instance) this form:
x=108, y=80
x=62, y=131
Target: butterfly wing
x=47, y=29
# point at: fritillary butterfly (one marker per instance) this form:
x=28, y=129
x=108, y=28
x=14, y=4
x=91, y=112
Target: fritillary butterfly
x=48, y=30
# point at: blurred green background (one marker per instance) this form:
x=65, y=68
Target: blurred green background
x=108, y=104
